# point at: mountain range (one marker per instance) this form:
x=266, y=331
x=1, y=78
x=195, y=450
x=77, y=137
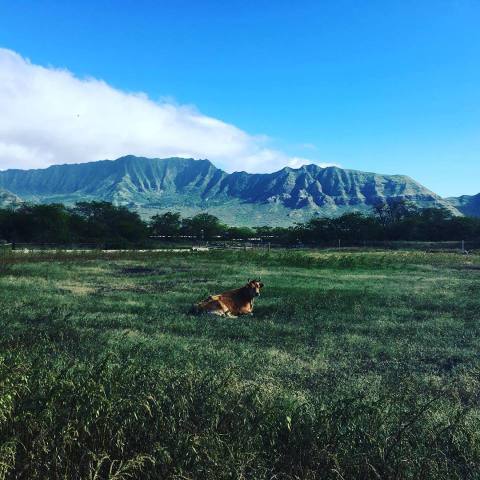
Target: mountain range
x=190, y=186
x=8, y=199
x=467, y=204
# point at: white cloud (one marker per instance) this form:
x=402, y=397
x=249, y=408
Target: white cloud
x=49, y=116
x=297, y=162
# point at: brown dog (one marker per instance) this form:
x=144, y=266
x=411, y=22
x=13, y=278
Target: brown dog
x=233, y=302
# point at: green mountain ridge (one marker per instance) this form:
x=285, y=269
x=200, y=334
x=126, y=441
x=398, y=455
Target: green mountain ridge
x=154, y=185
x=467, y=204
x=8, y=199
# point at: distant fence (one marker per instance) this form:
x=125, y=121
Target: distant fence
x=461, y=246
x=239, y=245
x=56, y=246
x=453, y=245
x=456, y=245
x=271, y=244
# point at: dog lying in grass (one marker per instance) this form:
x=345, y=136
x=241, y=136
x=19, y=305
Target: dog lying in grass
x=233, y=302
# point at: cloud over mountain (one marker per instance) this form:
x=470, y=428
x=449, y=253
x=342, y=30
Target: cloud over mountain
x=50, y=116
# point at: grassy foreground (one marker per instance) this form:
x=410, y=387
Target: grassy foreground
x=355, y=365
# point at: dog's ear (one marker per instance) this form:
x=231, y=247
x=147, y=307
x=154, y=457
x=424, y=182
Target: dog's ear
x=249, y=280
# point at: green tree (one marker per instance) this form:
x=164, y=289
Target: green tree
x=240, y=233
x=203, y=226
x=167, y=224
x=105, y=222
x=394, y=211
x=37, y=223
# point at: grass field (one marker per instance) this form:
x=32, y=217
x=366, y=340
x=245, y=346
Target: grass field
x=355, y=365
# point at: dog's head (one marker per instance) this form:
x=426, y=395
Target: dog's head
x=254, y=287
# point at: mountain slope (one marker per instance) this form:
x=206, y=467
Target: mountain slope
x=8, y=199
x=467, y=204
x=189, y=186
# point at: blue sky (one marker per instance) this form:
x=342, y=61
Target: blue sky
x=385, y=86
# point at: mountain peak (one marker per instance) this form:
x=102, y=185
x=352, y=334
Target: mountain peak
x=305, y=167
x=150, y=185
x=467, y=204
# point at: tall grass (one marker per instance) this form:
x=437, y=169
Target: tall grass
x=355, y=365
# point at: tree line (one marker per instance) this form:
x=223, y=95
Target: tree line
x=103, y=223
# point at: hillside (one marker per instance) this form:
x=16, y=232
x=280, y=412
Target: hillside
x=467, y=204
x=8, y=199
x=190, y=186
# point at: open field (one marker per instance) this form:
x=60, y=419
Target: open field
x=354, y=365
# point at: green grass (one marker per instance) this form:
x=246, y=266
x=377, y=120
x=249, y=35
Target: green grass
x=355, y=365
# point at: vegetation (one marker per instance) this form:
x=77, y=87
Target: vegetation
x=190, y=186
x=355, y=365
x=89, y=222
x=105, y=224
x=391, y=222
